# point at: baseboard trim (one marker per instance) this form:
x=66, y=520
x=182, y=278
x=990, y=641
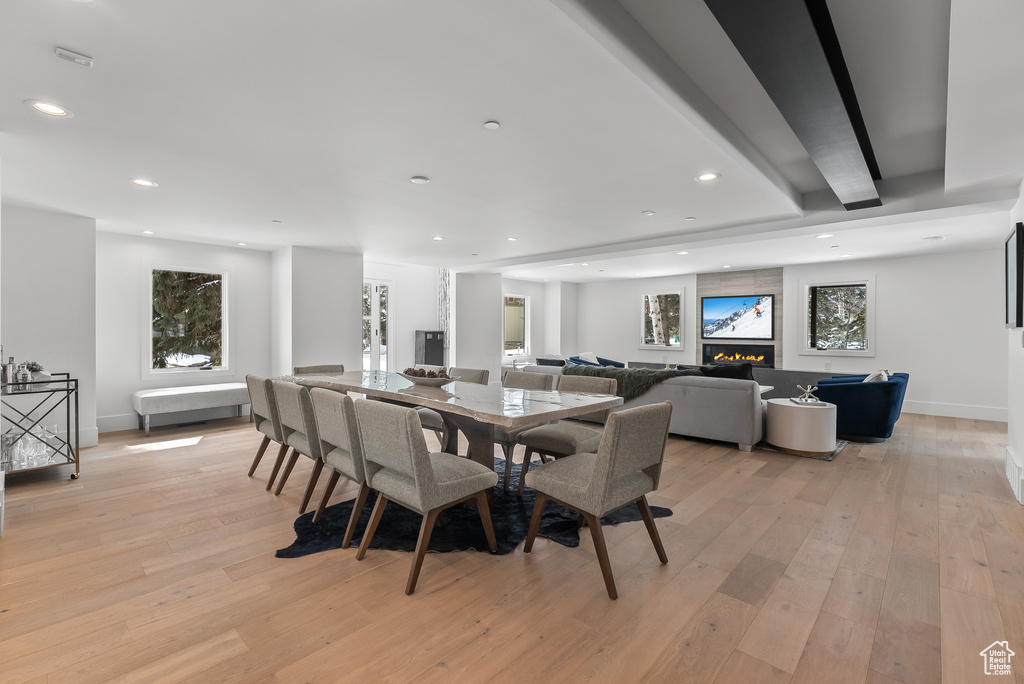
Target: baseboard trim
x=934, y=408
x=130, y=421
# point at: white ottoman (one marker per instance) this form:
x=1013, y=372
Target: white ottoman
x=802, y=429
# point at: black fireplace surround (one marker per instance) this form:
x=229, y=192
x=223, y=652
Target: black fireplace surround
x=758, y=355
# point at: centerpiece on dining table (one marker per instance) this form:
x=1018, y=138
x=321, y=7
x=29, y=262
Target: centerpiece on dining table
x=430, y=378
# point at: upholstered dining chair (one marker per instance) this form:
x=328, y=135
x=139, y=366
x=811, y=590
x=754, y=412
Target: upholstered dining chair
x=263, y=407
x=625, y=468
x=340, y=449
x=503, y=436
x=401, y=469
x=298, y=427
x=430, y=418
x=567, y=437
x=322, y=369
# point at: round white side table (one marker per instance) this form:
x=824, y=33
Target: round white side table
x=802, y=429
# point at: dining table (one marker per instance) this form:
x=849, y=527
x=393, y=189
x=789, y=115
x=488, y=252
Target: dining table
x=471, y=408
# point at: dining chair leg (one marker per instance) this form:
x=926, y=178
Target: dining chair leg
x=645, y=513
x=426, y=528
x=602, y=554
x=371, y=526
x=331, y=484
x=538, y=513
x=259, y=455
x=277, y=465
x=318, y=467
x=287, y=471
x=485, y=517
x=523, y=469
x=357, y=512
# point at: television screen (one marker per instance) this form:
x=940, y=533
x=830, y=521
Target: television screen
x=740, y=318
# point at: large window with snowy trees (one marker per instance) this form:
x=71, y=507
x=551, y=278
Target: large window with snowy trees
x=660, y=322
x=839, y=318
x=188, y=321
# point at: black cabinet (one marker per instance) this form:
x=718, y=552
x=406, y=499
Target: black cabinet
x=430, y=347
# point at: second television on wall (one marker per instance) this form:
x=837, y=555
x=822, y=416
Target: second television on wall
x=748, y=317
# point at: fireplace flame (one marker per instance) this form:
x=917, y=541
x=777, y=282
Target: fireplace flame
x=739, y=357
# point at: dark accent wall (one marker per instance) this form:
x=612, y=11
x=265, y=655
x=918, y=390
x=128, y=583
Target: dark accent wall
x=736, y=283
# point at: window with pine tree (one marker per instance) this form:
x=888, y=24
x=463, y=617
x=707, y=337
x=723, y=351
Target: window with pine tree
x=188, y=320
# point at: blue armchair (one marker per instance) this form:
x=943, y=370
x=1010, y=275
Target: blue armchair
x=865, y=411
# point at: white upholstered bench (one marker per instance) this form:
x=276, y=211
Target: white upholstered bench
x=190, y=398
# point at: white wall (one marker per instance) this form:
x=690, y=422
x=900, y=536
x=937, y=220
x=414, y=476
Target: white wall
x=123, y=265
x=413, y=306
x=477, y=322
x=1015, y=390
x=938, y=318
x=49, y=296
x=569, y=320
x=537, y=292
x=610, y=319
x=327, y=290
x=281, y=311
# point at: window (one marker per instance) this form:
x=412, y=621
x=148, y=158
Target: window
x=517, y=340
x=188, y=324
x=839, y=318
x=661, y=315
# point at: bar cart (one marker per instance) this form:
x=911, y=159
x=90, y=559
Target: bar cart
x=39, y=425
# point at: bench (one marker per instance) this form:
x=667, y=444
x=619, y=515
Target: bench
x=189, y=398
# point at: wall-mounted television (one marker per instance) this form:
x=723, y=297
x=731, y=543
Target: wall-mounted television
x=749, y=317
x=1015, y=277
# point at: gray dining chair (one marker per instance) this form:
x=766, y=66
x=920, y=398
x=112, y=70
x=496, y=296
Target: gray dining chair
x=505, y=437
x=341, y=450
x=566, y=438
x=400, y=469
x=626, y=467
x=298, y=427
x=323, y=369
x=430, y=418
x=263, y=408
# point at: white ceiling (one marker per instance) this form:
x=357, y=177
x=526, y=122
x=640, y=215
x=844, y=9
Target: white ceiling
x=317, y=114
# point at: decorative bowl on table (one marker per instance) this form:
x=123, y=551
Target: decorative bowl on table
x=427, y=382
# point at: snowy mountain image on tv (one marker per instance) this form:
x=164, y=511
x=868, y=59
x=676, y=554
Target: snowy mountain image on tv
x=745, y=318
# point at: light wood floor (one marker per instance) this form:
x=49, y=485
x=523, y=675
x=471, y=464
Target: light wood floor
x=896, y=562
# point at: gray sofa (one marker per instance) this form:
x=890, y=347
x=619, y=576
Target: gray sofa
x=722, y=409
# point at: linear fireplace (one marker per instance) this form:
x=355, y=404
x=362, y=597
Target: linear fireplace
x=757, y=354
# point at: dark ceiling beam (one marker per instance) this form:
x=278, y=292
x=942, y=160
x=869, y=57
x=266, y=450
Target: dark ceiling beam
x=791, y=47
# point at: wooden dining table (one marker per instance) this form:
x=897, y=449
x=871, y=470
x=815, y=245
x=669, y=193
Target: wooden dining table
x=468, y=407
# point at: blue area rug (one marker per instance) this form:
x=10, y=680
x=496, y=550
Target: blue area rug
x=462, y=531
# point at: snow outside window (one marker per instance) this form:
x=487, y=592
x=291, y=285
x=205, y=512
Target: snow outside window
x=187, y=320
x=839, y=318
x=660, y=324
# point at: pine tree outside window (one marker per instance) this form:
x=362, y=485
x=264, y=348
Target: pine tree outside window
x=188, y=330
x=839, y=318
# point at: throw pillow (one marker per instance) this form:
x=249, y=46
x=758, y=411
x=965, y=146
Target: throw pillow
x=550, y=362
x=877, y=376
x=590, y=357
x=736, y=371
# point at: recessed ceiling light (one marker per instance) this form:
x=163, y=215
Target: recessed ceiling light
x=636, y=274
x=726, y=266
x=682, y=252
x=647, y=212
x=492, y=125
x=690, y=218
x=823, y=236
x=584, y=264
x=275, y=220
x=511, y=238
x=420, y=180
x=147, y=232
x=834, y=247
x=847, y=255
x=51, y=109
x=474, y=254
x=437, y=238
x=545, y=280
x=145, y=183
x=935, y=237
x=707, y=177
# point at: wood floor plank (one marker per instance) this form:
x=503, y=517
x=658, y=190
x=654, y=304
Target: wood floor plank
x=838, y=652
x=969, y=625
